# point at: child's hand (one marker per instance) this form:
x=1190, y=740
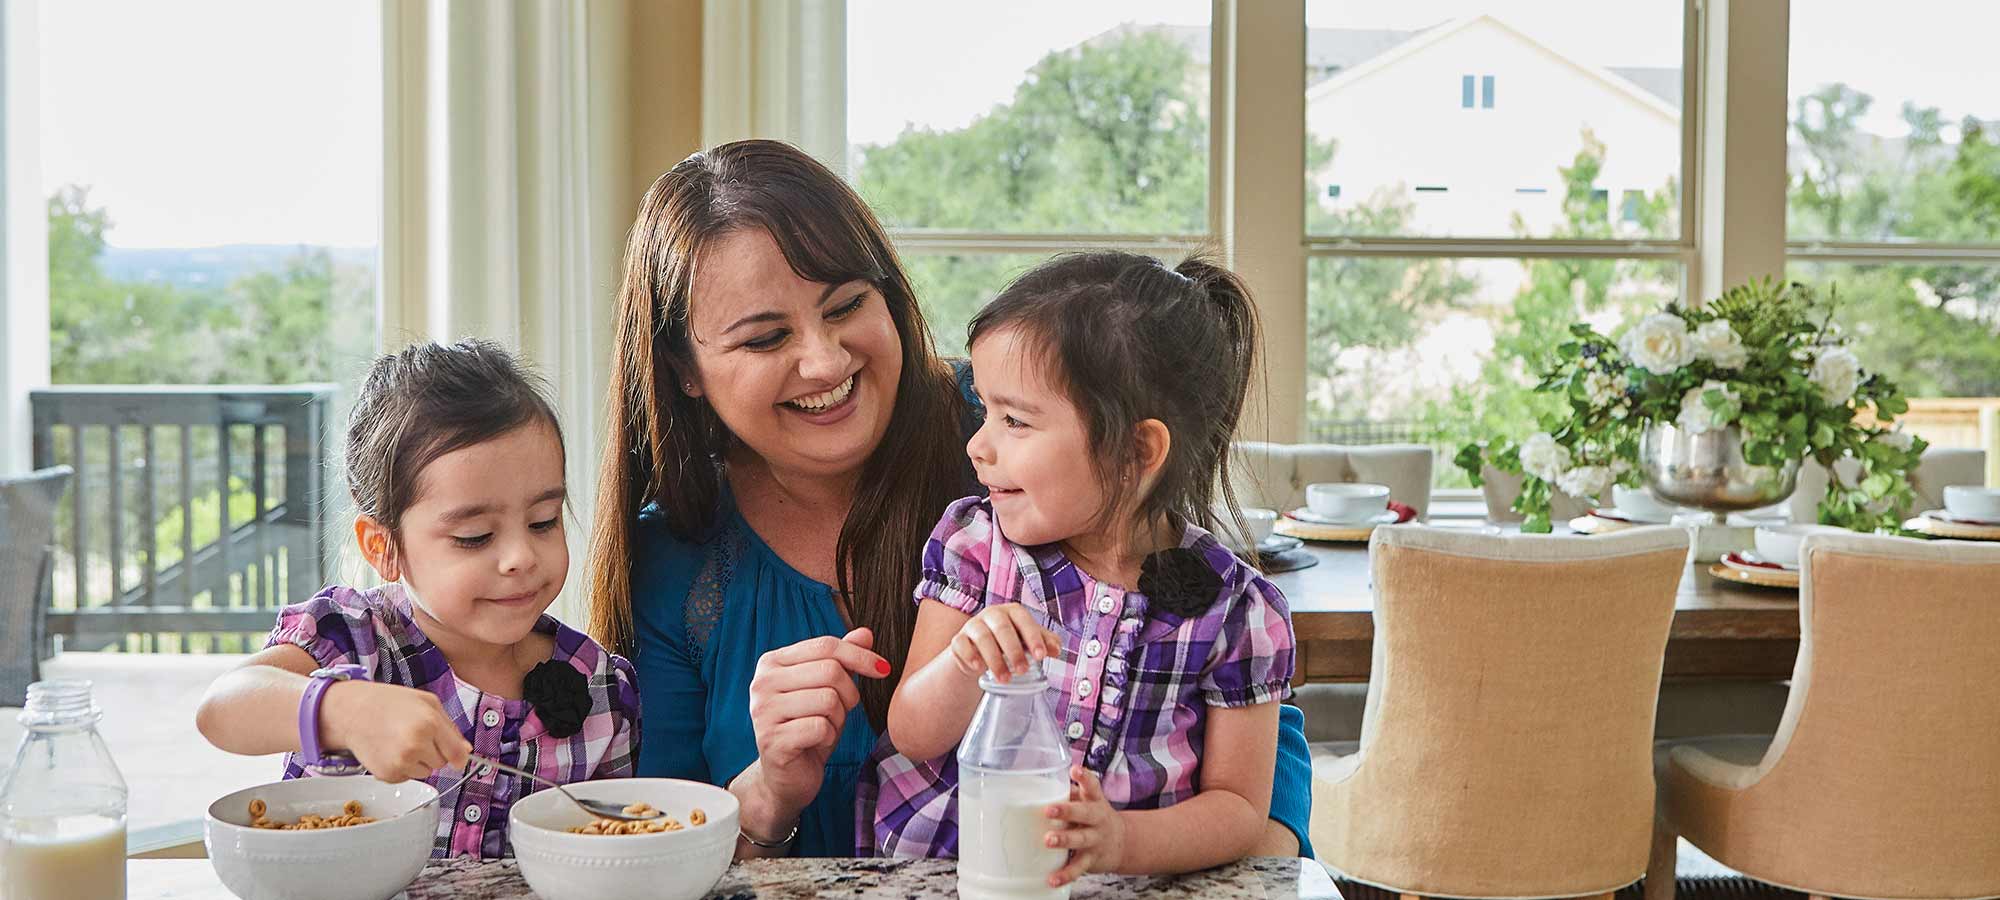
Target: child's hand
x=399, y=733
x=1086, y=826
x=1000, y=640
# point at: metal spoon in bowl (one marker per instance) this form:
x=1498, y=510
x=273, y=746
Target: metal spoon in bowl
x=602, y=809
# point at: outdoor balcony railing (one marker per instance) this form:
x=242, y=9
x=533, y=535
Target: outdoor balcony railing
x=196, y=511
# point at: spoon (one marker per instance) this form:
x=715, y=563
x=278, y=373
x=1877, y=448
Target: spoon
x=602, y=809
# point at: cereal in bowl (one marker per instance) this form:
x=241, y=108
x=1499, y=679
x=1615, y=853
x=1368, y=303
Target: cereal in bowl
x=645, y=826
x=350, y=814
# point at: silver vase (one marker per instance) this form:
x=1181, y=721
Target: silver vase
x=1706, y=470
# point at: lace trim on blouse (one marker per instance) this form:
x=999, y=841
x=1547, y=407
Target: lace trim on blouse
x=704, y=602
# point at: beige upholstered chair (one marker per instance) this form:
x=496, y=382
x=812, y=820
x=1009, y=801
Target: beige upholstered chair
x=1276, y=475
x=1506, y=747
x=1940, y=467
x=1883, y=779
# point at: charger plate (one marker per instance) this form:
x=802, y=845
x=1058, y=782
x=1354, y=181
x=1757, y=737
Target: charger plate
x=1960, y=530
x=1760, y=577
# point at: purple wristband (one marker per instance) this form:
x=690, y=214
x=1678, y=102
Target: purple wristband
x=311, y=755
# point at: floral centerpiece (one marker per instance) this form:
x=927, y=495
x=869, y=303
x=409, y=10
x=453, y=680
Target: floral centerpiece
x=1764, y=358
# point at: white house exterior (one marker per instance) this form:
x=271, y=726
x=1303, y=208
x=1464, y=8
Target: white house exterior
x=1470, y=120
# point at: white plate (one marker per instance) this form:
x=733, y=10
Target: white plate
x=1385, y=517
x=1279, y=543
x=1943, y=515
x=1618, y=515
x=1751, y=557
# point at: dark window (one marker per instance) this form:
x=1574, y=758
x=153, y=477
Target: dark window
x=1465, y=92
x=1333, y=191
x=1431, y=189
x=1486, y=92
x=1629, y=205
x=1531, y=190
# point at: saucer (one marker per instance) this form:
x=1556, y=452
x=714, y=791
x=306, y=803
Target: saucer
x=1303, y=514
x=1618, y=515
x=1279, y=543
x=1945, y=515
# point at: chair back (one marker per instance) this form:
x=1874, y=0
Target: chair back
x=1276, y=475
x=1885, y=769
x=1939, y=468
x=1506, y=745
x=27, y=529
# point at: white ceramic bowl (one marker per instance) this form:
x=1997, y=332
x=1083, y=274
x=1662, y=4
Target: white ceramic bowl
x=1641, y=505
x=1969, y=502
x=672, y=865
x=1347, y=502
x=359, y=862
x=1780, y=543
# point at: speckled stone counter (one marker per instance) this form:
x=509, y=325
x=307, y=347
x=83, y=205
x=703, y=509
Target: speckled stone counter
x=796, y=879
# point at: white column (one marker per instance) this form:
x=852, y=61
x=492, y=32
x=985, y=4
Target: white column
x=1741, y=228
x=24, y=237
x=1260, y=103
x=507, y=193
x=776, y=69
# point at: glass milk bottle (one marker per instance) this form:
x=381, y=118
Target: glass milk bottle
x=1012, y=764
x=62, y=805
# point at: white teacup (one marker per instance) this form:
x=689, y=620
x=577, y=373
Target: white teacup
x=1260, y=520
x=1640, y=505
x=1347, y=502
x=1970, y=502
x=1780, y=543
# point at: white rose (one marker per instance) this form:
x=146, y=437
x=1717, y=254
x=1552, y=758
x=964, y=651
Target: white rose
x=1600, y=388
x=1717, y=342
x=1660, y=343
x=1836, y=373
x=1543, y=458
x=1697, y=417
x=1585, y=481
x=1899, y=439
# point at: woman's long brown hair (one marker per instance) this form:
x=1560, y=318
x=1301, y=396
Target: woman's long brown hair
x=667, y=448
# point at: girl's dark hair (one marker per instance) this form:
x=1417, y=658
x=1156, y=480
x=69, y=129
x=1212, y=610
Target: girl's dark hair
x=425, y=401
x=666, y=448
x=1128, y=339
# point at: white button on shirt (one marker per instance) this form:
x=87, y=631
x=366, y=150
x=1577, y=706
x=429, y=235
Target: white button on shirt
x=1093, y=648
x=1075, y=730
x=1082, y=689
x=472, y=814
x=491, y=718
x=1104, y=605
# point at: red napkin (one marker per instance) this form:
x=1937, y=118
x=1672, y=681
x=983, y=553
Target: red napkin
x=1404, y=512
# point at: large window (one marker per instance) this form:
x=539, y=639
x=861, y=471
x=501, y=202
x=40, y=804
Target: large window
x=988, y=142
x=1894, y=194
x=1455, y=234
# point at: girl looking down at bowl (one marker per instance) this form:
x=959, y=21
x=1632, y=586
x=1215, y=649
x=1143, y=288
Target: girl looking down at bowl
x=455, y=464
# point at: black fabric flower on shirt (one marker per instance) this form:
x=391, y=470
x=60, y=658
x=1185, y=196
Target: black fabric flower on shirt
x=560, y=695
x=1180, y=581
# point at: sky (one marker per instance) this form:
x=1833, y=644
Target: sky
x=233, y=121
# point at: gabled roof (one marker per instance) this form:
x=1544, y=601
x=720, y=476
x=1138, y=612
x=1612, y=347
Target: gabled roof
x=1430, y=36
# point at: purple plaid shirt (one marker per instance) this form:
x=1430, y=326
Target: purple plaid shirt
x=374, y=628
x=1132, y=688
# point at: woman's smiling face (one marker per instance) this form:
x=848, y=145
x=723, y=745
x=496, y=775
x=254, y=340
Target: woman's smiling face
x=804, y=374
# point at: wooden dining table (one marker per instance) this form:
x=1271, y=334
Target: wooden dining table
x=1721, y=630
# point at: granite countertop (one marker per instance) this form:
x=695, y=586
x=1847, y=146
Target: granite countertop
x=796, y=879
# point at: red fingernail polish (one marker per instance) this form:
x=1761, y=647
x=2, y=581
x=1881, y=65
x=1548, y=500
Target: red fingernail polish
x=881, y=667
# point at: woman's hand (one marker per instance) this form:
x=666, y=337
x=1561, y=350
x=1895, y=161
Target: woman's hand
x=399, y=733
x=799, y=699
x=1086, y=826
x=1001, y=639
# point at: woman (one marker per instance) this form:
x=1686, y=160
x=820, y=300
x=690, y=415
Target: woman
x=782, y=440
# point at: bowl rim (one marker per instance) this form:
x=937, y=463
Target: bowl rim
x=516, y=825
x=1348, y=489
x=381, y=824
